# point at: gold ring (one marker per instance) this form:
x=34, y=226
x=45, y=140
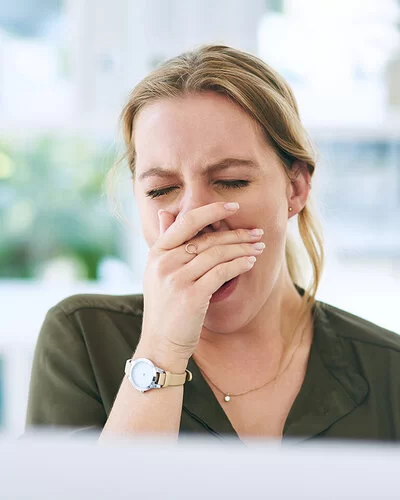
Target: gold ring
x=189, y=251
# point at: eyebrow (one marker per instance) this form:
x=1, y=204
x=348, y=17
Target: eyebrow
x=209, y=169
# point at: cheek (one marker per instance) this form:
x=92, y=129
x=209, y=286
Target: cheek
x=149, y=222
x=266, y=211
x=150, y=234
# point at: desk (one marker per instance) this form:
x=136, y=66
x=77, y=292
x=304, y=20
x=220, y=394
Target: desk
x=80, y=468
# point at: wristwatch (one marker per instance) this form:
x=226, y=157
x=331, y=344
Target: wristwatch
x=144, y=375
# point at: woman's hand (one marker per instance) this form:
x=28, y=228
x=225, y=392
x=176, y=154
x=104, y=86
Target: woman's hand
x=178, y=285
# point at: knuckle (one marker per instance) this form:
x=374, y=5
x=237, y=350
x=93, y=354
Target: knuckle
x=220, y=271
x=218, y=252
x=161, y=265
x=184, y=219
x=238, y=234
x=172, y=281
x=246, y=248
x=205, y=239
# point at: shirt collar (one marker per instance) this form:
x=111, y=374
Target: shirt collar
x=333, y=387
x=200, y=402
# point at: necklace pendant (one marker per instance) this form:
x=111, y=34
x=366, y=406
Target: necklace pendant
x=227, y=398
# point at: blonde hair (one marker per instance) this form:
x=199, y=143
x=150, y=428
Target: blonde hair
x=268, y=99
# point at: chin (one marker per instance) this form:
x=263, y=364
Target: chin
x=234, y=309
x=224, y=322
x=231, y=314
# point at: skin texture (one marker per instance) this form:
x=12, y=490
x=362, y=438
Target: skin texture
x=185, y=136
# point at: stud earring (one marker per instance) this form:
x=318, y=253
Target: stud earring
x=290, y=209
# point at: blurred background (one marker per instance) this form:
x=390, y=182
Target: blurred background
x=66, y=68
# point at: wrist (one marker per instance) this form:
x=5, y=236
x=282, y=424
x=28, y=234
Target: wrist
x=165, y=359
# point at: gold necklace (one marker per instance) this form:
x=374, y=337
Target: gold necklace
x=229, y=395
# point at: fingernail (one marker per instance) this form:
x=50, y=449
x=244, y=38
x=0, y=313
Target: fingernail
x=256, y=232
x=251, y=260
x=231, y=206
x=259, y=246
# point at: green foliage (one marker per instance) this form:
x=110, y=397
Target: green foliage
x=52, y=204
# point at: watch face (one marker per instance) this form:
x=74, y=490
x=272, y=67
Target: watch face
x=142, y=374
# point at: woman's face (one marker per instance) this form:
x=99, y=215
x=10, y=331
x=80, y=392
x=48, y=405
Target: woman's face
x=206, y=149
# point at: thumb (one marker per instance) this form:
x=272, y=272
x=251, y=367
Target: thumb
x=165, y=219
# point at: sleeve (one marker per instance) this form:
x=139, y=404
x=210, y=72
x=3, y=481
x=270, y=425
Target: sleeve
x=63, y=390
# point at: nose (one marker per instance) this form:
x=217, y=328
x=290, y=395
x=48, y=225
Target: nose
x=195, y=196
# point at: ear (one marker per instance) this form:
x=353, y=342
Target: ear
x=299, y=187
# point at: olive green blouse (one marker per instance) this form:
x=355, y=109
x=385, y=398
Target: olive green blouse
x=351, y=389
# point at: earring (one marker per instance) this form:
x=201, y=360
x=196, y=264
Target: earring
x=290, y=209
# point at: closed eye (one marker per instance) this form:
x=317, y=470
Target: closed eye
x=156, y=193
x=234, y=184
x=231, y=184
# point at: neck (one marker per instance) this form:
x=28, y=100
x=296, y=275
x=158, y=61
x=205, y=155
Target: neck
x=263, y=342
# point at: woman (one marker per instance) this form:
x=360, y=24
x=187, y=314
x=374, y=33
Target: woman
x=227, y=342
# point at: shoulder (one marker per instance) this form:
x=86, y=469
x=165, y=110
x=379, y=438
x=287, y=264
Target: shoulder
x=94, y=319
x=79, y=357
x=131, y=305
x=356, y=330
x=363, y=356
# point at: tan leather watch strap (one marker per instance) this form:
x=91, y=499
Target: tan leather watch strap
x=167, y=379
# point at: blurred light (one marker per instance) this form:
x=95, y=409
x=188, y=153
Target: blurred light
x=20, y=217
x=62, y=269
x=114, y=272
x=7, y=166
x=336, y=79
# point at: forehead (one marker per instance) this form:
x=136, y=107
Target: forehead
x=194, y=129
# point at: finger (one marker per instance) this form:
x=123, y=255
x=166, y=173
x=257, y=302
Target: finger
x=166, y=219
x=176, y=258
x=218, y=275
x=191, y=223
x=208, y=240
x=217, y=255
